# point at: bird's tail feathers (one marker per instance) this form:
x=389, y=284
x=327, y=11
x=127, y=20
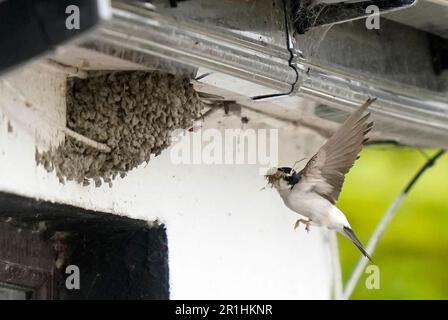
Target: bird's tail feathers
x=352, y=236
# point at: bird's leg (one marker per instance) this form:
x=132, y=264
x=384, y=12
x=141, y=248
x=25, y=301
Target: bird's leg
x=305, y=222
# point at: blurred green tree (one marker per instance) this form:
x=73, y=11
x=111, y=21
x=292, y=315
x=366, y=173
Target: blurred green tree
x=413, y=253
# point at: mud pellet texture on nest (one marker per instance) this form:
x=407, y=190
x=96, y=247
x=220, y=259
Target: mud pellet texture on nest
x=133, y=113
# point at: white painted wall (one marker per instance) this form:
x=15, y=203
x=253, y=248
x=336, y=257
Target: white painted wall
x=227, y=239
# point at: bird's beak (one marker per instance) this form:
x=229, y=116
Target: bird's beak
x=273, y=178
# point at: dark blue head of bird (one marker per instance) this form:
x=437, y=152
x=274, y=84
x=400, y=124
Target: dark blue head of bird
x=292, y=177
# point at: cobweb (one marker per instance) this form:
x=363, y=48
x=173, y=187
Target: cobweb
x=306, y=14
x=305, y=21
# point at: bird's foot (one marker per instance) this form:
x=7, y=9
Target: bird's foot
x=305, y=222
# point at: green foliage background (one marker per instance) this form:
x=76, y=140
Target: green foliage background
x=413, y=253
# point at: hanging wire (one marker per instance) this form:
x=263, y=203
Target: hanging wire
x=384, y=223
x=290, y=48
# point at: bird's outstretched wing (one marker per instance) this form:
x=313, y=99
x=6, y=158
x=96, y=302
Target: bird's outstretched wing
x=325, y=172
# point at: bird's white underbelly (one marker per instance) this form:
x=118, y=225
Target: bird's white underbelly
x=316, y=208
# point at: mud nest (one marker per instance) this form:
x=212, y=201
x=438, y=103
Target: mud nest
x=133, y=113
